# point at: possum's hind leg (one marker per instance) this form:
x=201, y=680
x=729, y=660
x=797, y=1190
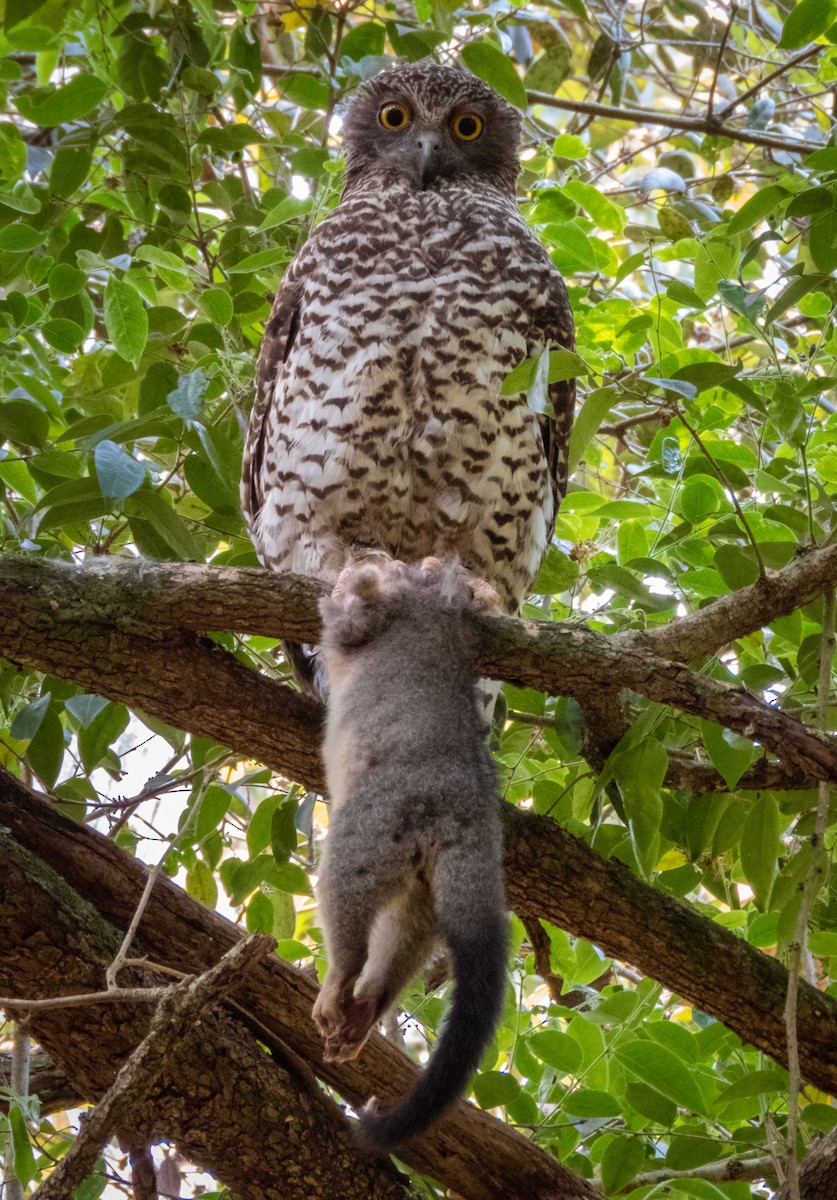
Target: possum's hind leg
x=403, y=938
x=385, y=954
x=357, y=888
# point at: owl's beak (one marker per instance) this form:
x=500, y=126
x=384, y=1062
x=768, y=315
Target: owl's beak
x=429, y=147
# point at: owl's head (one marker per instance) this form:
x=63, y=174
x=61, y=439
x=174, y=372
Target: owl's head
x=429, y=123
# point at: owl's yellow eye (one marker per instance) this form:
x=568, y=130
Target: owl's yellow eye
x=467, y=126
x=394, y=117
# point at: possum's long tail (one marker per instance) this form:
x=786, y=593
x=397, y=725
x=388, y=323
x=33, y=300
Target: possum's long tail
x=478, y=946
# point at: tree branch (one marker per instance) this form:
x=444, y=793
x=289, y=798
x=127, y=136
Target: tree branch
x=110, y=628
x=179, y=1010
x=654, y=116
x=260, y=1124
x=776, y=594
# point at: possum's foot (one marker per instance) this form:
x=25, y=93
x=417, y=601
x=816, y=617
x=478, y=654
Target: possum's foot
x=344, y=1021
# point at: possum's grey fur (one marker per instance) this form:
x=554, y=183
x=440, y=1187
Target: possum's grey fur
x=414, y=851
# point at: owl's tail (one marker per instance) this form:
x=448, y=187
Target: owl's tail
x=475, y=926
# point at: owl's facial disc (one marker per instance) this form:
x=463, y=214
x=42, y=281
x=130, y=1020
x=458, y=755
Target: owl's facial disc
x=428, y=124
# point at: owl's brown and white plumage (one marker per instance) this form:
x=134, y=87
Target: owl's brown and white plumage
x=379, y=418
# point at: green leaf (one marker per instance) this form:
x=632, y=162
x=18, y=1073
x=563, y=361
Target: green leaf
x=806, y=22
x=306, y=91
x=68, y=103
x=363, y=41
x=118, y=473
x=187, y=398
x=201, y=886
x=621, y=1160
x=663, y=1071
x=167, y=524
x=63, y=335
x=69, y=169
x=286, y=210
x=760, y=846
x=596, y=406
x=488, y=61
x=283, y=835
x=557, y=1050
x=17, y=238
x=731, y=754
x=28, y=721
x=767, y=200
x=789, y=296
x=700, y=497
x=592, y=1104
x=65, y=281
x=85, y=708
x=259, y=261
x=96, y=738
x=217, y=304
x=495, y=1089
x=289, y=877
x=125, y=320
x=563, y=364
x=822, y=239
x=570, y=145
x=573, y=250
x=214, y=806
x=755, y=1083
x=45, y=752
x=22, y=421
x=24, y=1168
x=231, y=139
x=604, y=212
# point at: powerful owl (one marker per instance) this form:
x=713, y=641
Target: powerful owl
x=379, y=419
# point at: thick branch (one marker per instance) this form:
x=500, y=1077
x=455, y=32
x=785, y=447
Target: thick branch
x=658, y=117
x=476, y=1156
x=102, y=627
x=260, y=1124
x=550, y=874
x=179, y=1010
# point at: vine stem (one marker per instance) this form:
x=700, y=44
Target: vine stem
x=810, y=888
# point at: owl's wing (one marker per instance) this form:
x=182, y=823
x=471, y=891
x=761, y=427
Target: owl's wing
x=279, y=335
x=555, y=326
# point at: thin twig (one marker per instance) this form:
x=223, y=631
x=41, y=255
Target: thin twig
x=19, y=1083
x=112, y=996
x=730, y=490
x=728, y=109
x=710, y=103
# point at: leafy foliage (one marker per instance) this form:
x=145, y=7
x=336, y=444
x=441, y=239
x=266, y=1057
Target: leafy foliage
x=158, y=169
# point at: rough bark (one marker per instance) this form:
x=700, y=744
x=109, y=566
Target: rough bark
x=262, y=1126
x=476, y=1156
x=181, y=1008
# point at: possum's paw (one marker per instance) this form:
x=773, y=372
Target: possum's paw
x=344, y=1021
x=346, y=1040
